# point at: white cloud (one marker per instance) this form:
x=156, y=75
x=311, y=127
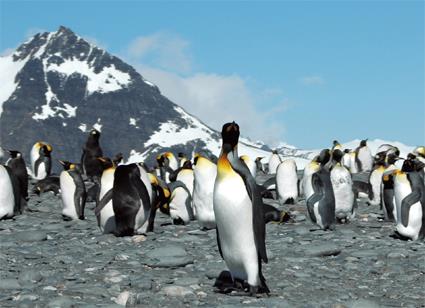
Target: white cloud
x=312, y=80
x=161, y=49
x=217, y=99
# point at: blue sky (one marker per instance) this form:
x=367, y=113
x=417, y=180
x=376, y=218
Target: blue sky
x=301, y=72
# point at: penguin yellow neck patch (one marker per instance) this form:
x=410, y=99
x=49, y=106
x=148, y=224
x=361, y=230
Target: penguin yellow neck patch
x=224, y=168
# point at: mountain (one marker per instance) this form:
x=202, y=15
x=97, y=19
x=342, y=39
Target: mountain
x=56, y=87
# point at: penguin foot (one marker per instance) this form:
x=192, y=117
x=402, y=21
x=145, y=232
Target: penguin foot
x=398, y=236
x=258, y=290
x=81, y=217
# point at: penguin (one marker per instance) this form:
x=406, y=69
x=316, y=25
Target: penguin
x=17, y=164
x=409, y=194
x=105, y=213
x=1, y=155
x=41, y=160
x=92, y=167
x=182, y=159
x=204, y=173
x=346, y=159
x=375, y=179
x=130, y=200
x=259, y=165
x=238, y=210
x=287, y=182
x=73, y=192
x=160, y=201
x=419, y=152
x=274, y=161
x=387, y=188
x=321, y=205
x=144, y=176
x=388, y=149
x=363, y=159
x=181, y=211
x=342, y=185
x=10, y=195
x=50, y=183
x=306, y=189
x=252, y=165
x=336, y=145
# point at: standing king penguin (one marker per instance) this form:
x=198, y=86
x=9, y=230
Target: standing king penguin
x=287, y=182
x=17, y=164
x=73, y=192
x=10, y=195
x=92, y=167
x=321, y=205
x=238, y=209
x=41, y=161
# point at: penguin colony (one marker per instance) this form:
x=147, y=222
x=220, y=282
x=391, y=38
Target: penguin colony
x=223, y=194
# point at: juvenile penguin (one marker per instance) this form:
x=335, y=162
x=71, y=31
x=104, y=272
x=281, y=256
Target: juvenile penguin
x=287, y=182
x=130, y=200
x=321, y=205
x=252, y=166
x=41, y=160
x=73, y=192
x=92, y=167
x=10, y=195
x=274, y=161
x=409, y=193
x=204, y=173
x=238, y=210
x=342, y=185
x=364, y=159
x=17, y=164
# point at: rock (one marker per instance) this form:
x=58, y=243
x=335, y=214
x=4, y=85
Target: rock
x=9, y=284
x=30, y=276
x=122, y=298
x=176, y=291
x=31, y=236
x=363, y=303
x=324, y=250
x=168, y=256
x=61, y=302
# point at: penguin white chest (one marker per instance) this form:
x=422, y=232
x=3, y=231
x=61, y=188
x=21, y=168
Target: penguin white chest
x=233, y=213
x=67, y=193
x=107, y=215
x=342, y=186
x=7, y=198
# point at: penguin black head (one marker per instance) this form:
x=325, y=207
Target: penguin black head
x=324, y=157
x=337, y=155
x=363, y=143
x=117, y=159
x=391, y=158
x=67, y=165
x=195, y=158
x=14, y=154
x=412, y=164
x=379, y=158
x=346, y=151
x=181, y=155
x=45, y=151
x=335, y=143
x=187, y=165
x=230, y=134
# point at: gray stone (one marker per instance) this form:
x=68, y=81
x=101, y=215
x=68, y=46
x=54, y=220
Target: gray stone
x=323, y=250
x=31, y=236
x=9, y=284
x=178, y=291
x=30, y=276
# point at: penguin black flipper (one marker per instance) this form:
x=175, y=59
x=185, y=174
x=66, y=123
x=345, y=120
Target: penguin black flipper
x=317, y=185
x=80, y=194
x=407, y=202
x=18, y=208
x=143, y=193
x=218, y=243
x=104, y=201
x=37, y=164
x=257, y=207
x=269, y=182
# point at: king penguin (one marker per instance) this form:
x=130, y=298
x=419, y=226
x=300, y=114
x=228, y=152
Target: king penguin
x=92, y=167
x=342, y=184
x=287, y=182
x=306, y=189
x=375, y=179
x=10, y=195
x=321, y=205
x=387, y=188
x=130, y=200
x=274, y=161
x=409, y=194
x=205, y=173
x=73, y=192
x=17, y=164
x=364, y=159
x=238, y=209
x=41, y=160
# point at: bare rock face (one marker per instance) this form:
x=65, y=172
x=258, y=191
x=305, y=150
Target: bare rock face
x=64, y=86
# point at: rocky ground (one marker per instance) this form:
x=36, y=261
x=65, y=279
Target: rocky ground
x=47, y=262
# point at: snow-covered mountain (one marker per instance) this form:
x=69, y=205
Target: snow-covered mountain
x=56, y=87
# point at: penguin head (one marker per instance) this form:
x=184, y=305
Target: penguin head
x=324, y=157
x=160, y=160
x=335, y=143
x=346, y=151
x=391, y=158
x=14, y=154
x=181, y=155
x=363, y=143
x=379, y=158
x=94, y=132
x=337, y=155
x=420, y=151
x=67, y=165
x=187, y=165
x=259, y=158
x=45, y=150
x=117, y=159
x=412, y=163
x=230, y=134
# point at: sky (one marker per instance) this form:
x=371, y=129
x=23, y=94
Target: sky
x=300, y=72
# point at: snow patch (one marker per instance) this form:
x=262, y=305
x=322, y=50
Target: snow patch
x=108, y=80
x=83, y=127
x=133, y=122
x=97, y=125
x=9, y=69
